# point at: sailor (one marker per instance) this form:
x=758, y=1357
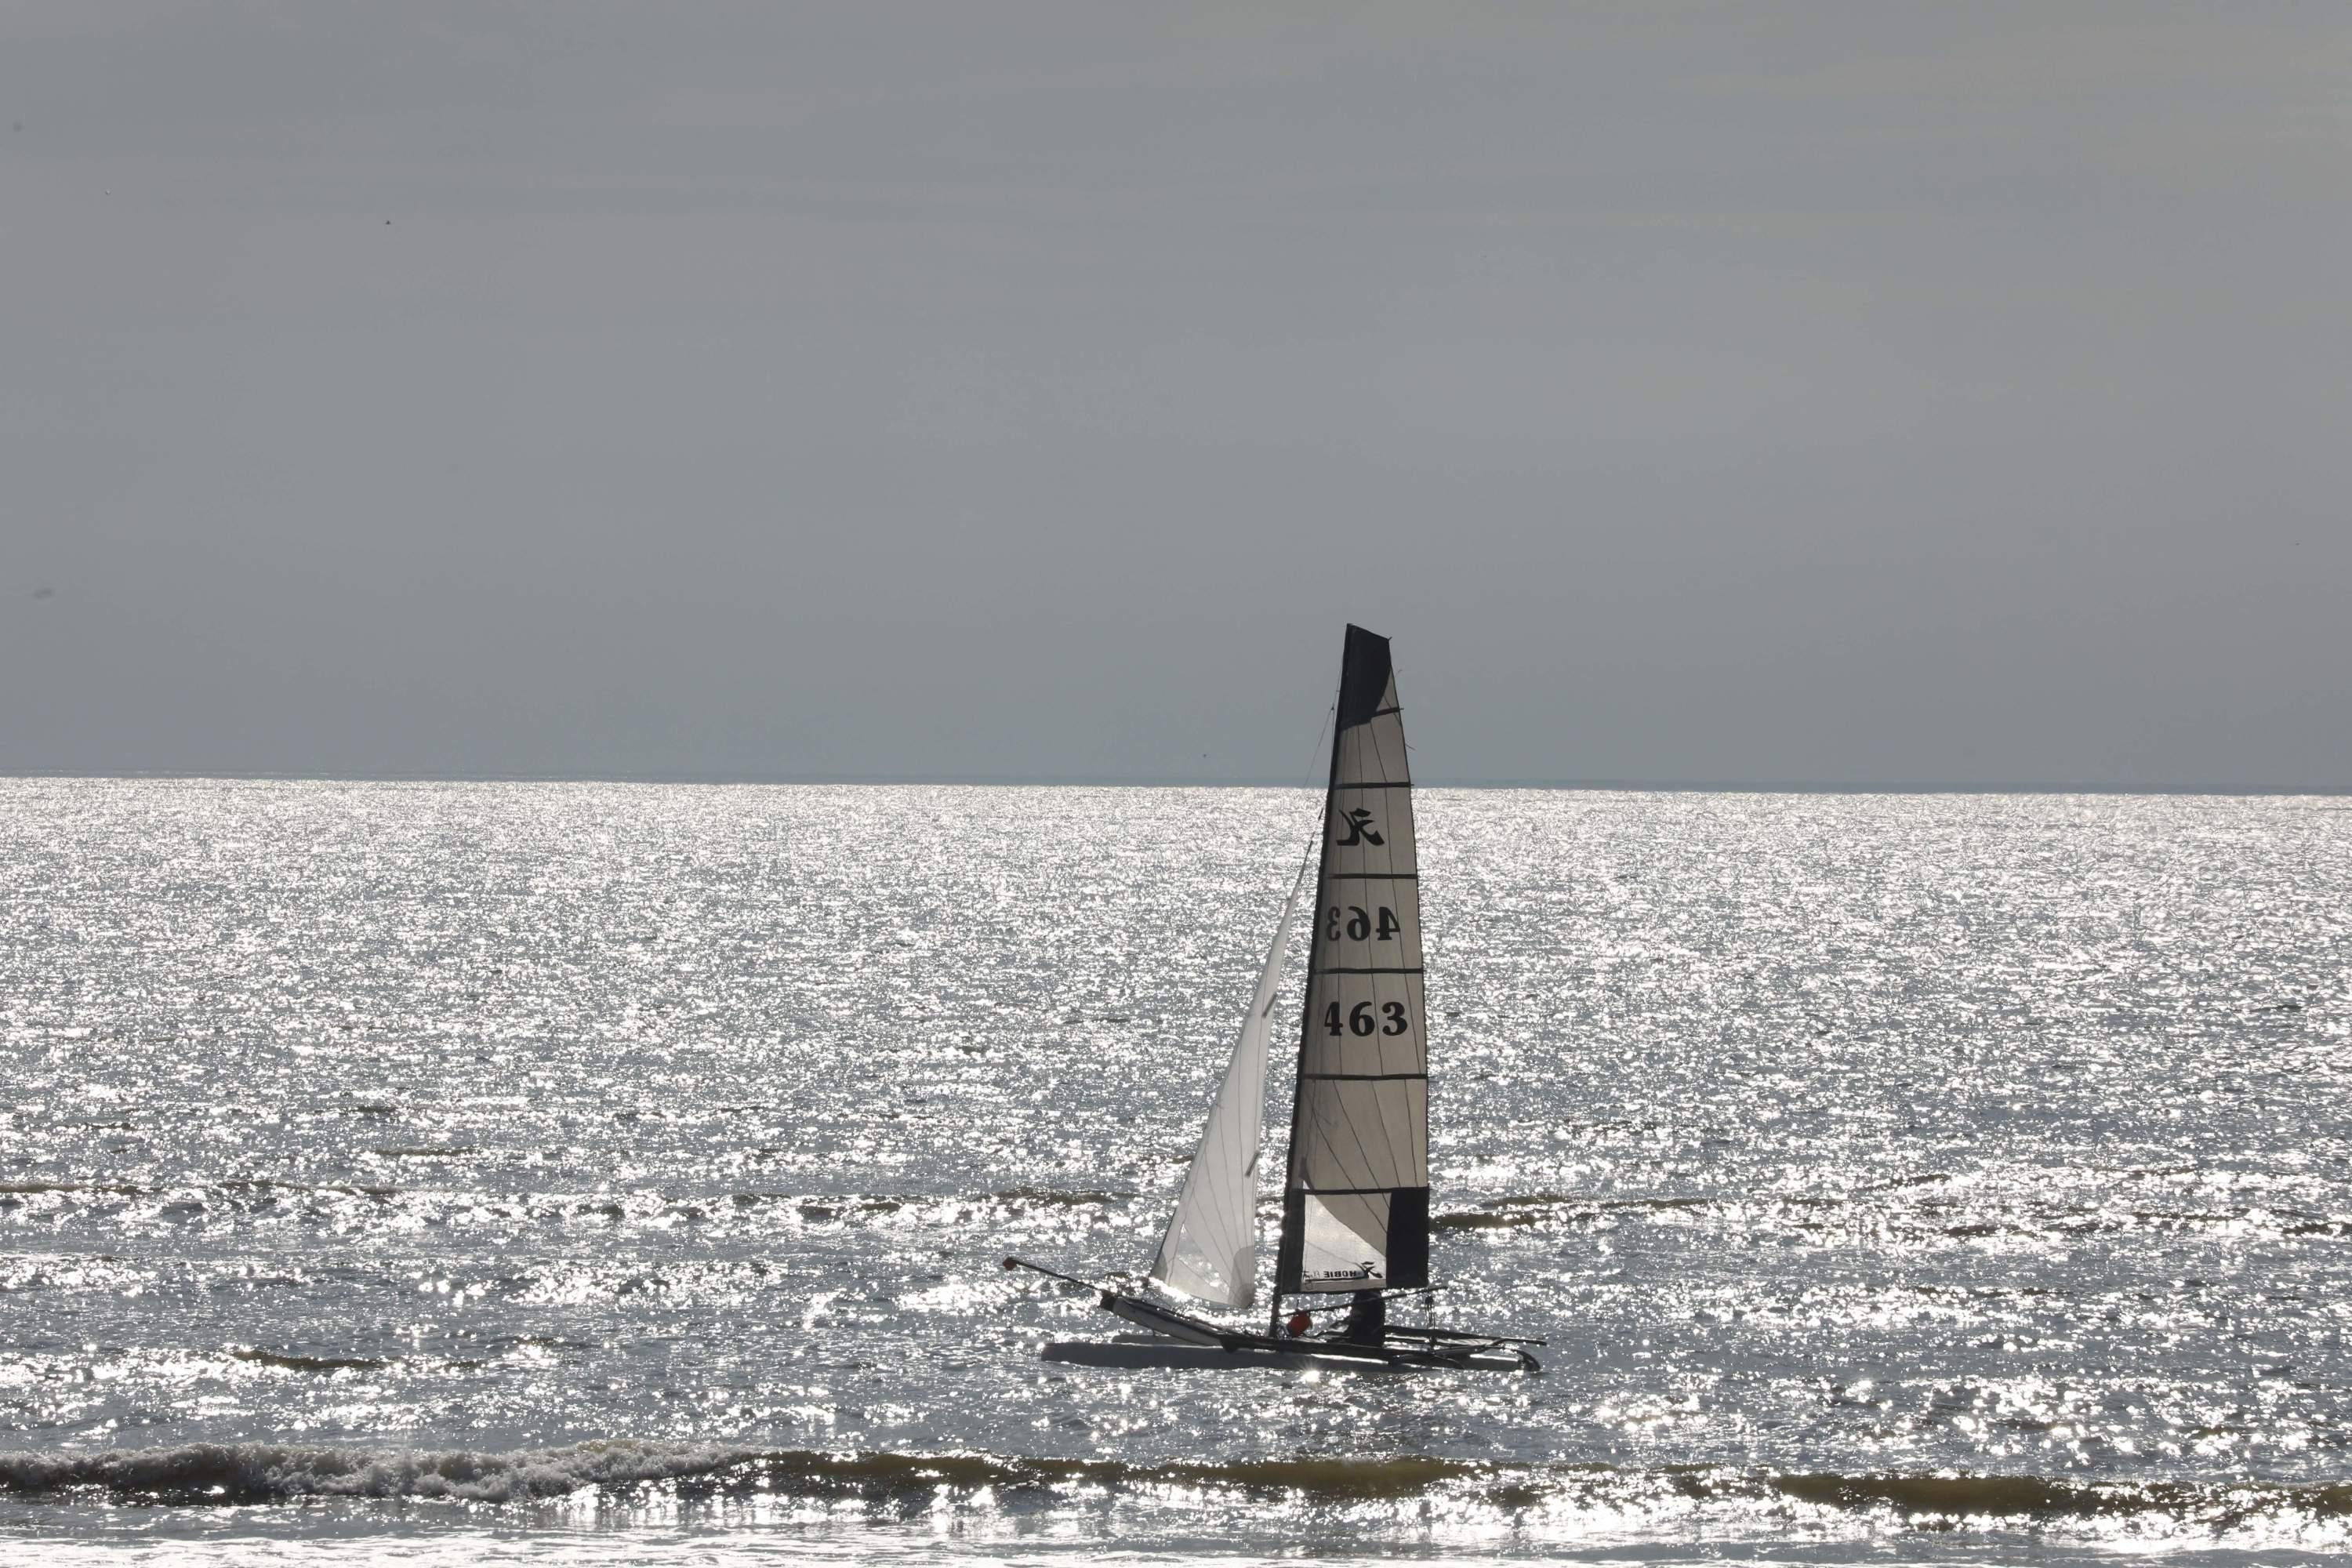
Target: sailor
x=1368, y=1318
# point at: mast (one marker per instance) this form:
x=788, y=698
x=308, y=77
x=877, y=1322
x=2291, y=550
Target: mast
x=1355, y=1210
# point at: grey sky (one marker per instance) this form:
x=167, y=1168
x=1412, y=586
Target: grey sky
x=1861, y=394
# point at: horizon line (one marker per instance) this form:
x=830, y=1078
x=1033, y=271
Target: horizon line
x=720, y=778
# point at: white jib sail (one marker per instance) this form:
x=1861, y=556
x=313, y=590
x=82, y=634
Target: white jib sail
x=1210, y=1249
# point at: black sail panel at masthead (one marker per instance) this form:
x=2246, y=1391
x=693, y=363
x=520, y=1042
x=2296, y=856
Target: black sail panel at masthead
x=1355, y=1210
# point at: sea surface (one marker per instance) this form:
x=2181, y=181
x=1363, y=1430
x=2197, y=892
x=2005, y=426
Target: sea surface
x=532, y=1173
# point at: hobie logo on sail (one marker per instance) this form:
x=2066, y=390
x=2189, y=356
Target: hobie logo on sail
x=1359, y=830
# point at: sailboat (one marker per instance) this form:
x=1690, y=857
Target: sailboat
x=1355, y=1193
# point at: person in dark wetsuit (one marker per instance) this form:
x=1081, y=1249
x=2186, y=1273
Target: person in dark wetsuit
x=1368, y=1318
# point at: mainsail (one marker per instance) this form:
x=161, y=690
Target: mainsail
x=1355, y=1209
x=1210, y=1249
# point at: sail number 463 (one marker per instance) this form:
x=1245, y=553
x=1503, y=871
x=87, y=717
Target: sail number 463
x=1359, y=925
x=1392, y=1019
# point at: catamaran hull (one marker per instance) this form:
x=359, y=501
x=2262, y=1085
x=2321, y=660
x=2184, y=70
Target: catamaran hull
x=1189, y=1341
x=1140, y=1352
x=1150, y=1353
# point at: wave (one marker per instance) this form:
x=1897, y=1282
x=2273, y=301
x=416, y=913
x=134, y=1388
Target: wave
x=1525, y=1210
x=2217, y=1505
x=1547, y=1208
x=267, y=1472
x=270, y=1201
x=235, y=1186
x=1056, y=1197
x=245, y=1473
x=286, y=1360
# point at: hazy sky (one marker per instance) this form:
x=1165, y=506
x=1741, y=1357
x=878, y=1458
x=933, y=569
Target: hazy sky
x=1803, y=391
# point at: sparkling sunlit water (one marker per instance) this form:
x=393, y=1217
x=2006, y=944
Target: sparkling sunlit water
x=525, y=1170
